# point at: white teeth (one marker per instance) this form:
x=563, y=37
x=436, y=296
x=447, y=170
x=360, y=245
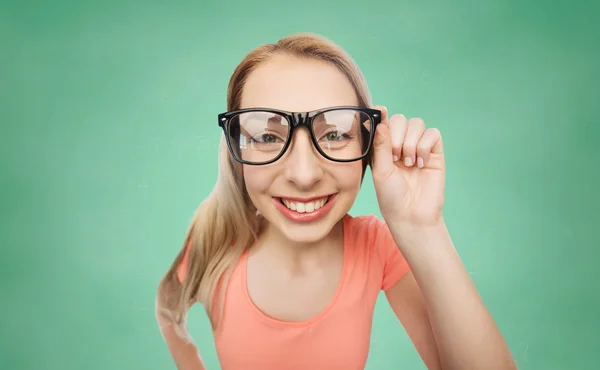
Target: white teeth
x=305, y=207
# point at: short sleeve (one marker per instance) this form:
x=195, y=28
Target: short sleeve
x=394, y=264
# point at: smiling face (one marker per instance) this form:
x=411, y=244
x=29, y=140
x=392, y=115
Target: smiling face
x=303, y=194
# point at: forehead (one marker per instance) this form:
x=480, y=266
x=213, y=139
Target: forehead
x=295, y=84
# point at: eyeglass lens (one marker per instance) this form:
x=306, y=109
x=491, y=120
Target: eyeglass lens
x=259, y=137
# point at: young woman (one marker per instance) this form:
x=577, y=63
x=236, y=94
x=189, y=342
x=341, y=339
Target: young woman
x=288, y=278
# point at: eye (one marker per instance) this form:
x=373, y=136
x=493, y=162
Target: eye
x=265, y=138
x=268, y=139
x=331, y=136
x=336, y=136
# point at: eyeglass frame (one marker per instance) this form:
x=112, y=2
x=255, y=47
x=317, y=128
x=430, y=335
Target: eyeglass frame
x=298, y=119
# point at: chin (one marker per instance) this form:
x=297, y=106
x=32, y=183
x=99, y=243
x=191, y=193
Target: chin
x=306, y=233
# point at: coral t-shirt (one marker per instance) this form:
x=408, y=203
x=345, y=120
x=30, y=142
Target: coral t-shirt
x=338, y=337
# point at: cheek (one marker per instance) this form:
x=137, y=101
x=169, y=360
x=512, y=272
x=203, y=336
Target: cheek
x=348, y=176
x=257, y=180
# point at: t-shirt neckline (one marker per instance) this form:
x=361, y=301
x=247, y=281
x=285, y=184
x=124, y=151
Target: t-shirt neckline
x=318, y=317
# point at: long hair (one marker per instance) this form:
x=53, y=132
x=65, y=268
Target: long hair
x=225, y=223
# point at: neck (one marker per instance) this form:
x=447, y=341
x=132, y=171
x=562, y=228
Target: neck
x=296, y=253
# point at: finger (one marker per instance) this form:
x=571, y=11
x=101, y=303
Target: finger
x=415, y=130
x=383, y=164
x=384, y=112
x=398, y=126
x=438, y=148
x=384, y=117
x=429, y=140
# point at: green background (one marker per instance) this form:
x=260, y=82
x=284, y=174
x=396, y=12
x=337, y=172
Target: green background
x=108, y=144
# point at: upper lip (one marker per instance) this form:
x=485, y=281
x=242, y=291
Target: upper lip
x=305, y=199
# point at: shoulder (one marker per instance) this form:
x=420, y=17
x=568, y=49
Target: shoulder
x=369, y=234
x=183, y=265
x=368, y=227
x=374, y=242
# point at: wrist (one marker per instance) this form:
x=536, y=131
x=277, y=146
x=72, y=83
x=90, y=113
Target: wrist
x=418, y=228
x=411, y=235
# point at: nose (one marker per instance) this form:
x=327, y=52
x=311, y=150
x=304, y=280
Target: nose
x=303, y=167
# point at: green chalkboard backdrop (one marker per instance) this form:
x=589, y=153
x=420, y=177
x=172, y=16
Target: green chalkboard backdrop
x=109, y=142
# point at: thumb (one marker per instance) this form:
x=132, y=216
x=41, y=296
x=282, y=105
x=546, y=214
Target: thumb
x=383, y=162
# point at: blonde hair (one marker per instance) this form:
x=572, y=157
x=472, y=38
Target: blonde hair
x=227, y=215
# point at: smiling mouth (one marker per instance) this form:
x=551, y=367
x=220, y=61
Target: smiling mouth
x=305, y=207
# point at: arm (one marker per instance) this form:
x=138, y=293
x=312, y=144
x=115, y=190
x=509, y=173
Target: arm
x=440, y=308
x=407, y=302
x=184, y=353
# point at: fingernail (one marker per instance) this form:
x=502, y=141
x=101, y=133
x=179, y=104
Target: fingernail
x=395, y=158
x=420, y=162
x=408, y=161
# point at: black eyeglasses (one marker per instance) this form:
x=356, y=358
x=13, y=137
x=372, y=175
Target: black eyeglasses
x=259, y=136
